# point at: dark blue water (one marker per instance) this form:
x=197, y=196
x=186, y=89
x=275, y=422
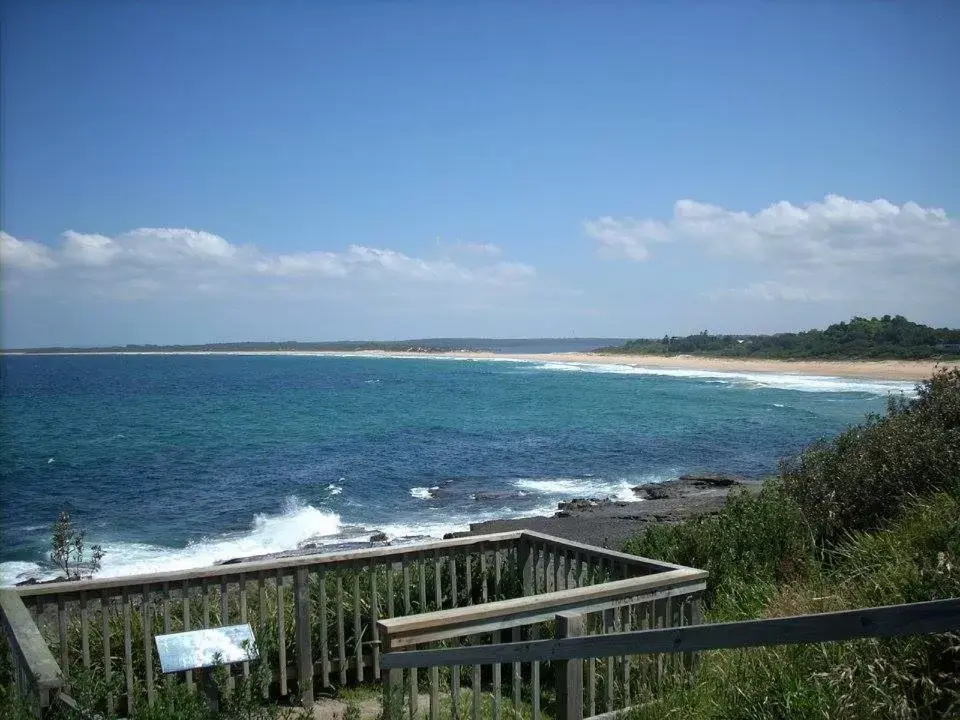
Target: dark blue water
x=177, y=461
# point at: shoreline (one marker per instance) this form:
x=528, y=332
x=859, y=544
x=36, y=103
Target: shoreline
x=891, y=370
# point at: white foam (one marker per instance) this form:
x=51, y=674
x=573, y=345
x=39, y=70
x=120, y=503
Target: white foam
x=335, y=489
x=423, y=493
x=569, y=488
x=296, y=524
x=15, y=571
x=783, y=381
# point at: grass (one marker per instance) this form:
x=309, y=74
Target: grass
x=870, y=518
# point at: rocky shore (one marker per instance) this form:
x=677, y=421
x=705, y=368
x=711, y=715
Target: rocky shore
x=608, y=523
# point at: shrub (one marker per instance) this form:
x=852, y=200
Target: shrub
x=863, y=477
x=67, y=549
x=757, y=538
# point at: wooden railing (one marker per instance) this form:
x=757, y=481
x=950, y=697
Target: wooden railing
x=663, y=599
x=316, y=618
x=572, y=649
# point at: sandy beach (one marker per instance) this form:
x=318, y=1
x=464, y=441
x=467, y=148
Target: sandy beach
x=902, y=370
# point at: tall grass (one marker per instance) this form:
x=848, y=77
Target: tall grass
x=870, y=518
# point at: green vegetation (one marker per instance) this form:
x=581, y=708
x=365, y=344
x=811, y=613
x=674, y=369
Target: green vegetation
x=861, y=338
x=68, y=552
x=870, y=518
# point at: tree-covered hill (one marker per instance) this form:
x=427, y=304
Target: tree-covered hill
x=874, y=338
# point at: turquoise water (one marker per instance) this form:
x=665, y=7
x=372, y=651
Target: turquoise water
x=180, y=461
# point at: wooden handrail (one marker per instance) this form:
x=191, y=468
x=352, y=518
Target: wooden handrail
x=591, y=550
x=28, y=644
x=503, y=614
x=888, y=621
x=235, y=570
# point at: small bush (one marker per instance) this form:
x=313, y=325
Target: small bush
x=862, y=477
x=756, y=539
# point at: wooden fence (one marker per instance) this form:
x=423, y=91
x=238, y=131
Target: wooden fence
x=317, y=618
x=571, y=650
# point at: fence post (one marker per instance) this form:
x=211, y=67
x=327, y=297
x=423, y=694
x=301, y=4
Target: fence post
x=525, y=559
x=393, y=687
x=301, y=598
x=569, y=673
x=692, y=615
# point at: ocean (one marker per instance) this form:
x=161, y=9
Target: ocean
x=178, y=461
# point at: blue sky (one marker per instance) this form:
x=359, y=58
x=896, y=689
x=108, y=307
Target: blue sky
x=190, y=172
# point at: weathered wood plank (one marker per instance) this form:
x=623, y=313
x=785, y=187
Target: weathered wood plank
x=146, y=623
x=84, y=631
x=476, y=691
x=357, y=635
x=413, y=696
x=165, y=606
x=205, y=603
x=406, y=588
x=63, y=624
x=243, y=618
x=609, y=629
x=422, y=572
x=437, y=582
x=324, y=632
x=625, y=626
x=569, y=673
x=439, y=625
x=374, y=610
x=281, y=635
x=452, y=560
x=28, y=643
x=468, y=576
x=641, y=563
x=185, y=592
x=224, y=603
x=534, y=678
x=434, y=693
x=516, y=673
x=497, y=697
x=341, y=631
x=128, y=647
x=301, y=605
x=889, y=621
x=484, y=575
x=390, y=590
x=263, y=618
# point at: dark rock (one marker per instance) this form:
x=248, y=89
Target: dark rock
x=378, y=536
x=653, y=492
x=580, y=504
x=714, y=479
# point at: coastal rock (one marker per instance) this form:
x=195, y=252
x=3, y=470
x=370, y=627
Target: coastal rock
x=714, y=479
x=579, y=504
x=378, y=537
x=652, y=492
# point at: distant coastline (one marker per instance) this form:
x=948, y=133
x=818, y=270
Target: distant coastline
x=893, y=370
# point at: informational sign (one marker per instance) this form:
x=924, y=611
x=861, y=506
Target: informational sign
x=206, y=648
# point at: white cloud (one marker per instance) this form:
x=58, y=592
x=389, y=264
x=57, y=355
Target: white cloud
x=823, y=250
x=149, y=258
x=24, y=254
x=834, y=231
x=625, y=236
